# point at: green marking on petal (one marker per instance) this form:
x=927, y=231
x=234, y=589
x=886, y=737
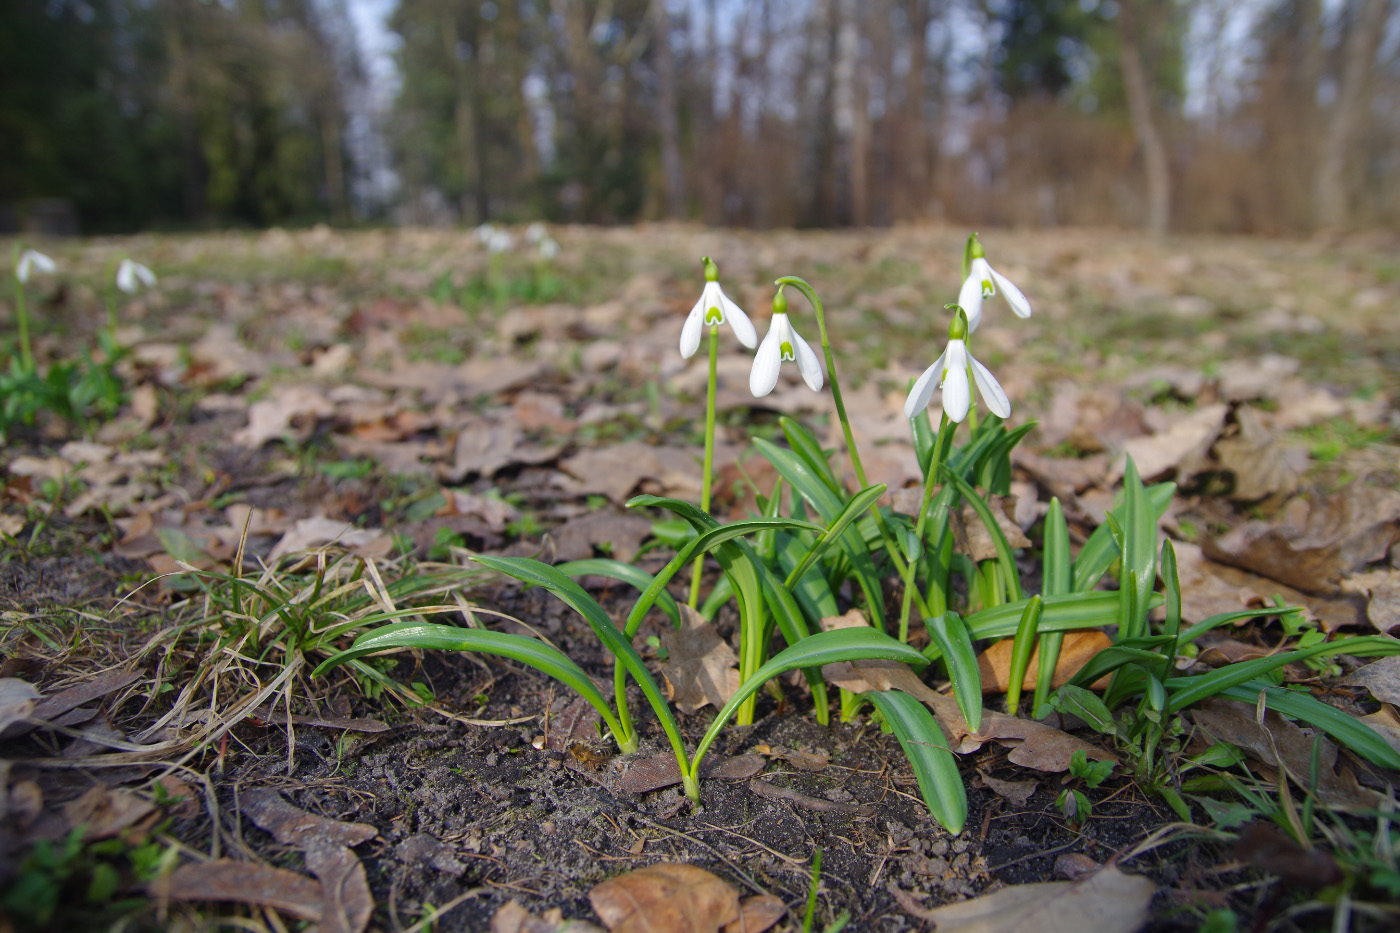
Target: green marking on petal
x=714, y=316
x=988, y=289
x=785, y=351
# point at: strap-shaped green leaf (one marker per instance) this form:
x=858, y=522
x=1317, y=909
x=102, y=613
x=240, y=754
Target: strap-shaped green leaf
x=1098, y=552
x=627, y=573
x=843, y=644
x=577, y=599
x=805, y=444
x=853, y=509
x=926, y=747
x=950, y=634
x=1003, y=547
x=1058, y=614
x=1188, y=690
x=544, y=658
x=1229, y=618
x=1355, y=735
x=1138, y=523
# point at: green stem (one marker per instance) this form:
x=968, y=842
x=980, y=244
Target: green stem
x=940, y=453
x=886, y=535
x=707, y=478
x=26, y=355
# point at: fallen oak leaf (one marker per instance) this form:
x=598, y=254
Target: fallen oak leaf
x=512, y=918
x=294, y=826
x=700, y=667
x=1107, y=901
x=1381, y=677
x=1077, y=649
x=675, y=898
x=50, y=708
x=1268, y=849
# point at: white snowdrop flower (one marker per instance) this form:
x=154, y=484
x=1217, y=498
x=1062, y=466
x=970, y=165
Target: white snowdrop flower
x=548, y=247
x=714, y=307
x=32, y=259
x=484, y=233
x=982, y=282
x=499, y=241
x=536, y=233
x=782, y=342
x=949, y=372
x=132, y=275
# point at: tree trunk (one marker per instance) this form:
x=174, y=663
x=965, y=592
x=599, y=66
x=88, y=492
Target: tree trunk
x=667, y=126
x=1366, y=19
x=1154, y=152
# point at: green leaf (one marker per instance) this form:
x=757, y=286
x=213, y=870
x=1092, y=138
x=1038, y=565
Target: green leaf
x=805, y=444
x=1355, y=735
x=845, y=644
x=1004, y=556
x=935, y=766
x=544, y=658
x=617, y=570
x=1057, y=560
x=1229, y=618
x=1111, y=659
x=1098, y=552
x=1080, y=702
x=1138, y=522
x=1058, y=614
x=950, y=635
x=828, y=504
x=1187, y=690
x=835, y=528
x=1022, y=644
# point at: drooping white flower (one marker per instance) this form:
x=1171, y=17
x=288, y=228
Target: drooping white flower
x=713, y=308
x=548, y=247
x=35, y=260
x=782, y=342
x=132, y=275
x=982, y=282
x=949, y=372
x=535, y=233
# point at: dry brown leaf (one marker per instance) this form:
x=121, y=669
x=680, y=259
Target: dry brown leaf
x=104, y=812
x=674, y=898
x=1314, y=543
x=512, y=918
x=1261, y=464
x=757, y=913
x=1382, y=591
x=979, y=540
x=1257, y=378
x=1386, y=723
x=700, y=667
x=1181, y=447
x=1018, y=792
x=1108, y=901
x=1077, y=649
x=1073, y=866
x=1234, y=722
x=241, y=883
x=318, y=531
x=17, y=700
x=640, y=775
x=1208, y=588
x=1032, y=744
x=484, y=448
x=616, y=471
x=1268, y=849
x=291, y=410
x=619, y=534
x=1381, y=677
x=293, y=826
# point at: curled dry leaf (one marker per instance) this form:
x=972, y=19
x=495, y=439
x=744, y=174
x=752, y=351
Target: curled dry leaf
x=1181, y=447
x=241, y=883
x=1107, y=901
x=700, y=667
x=17, y=699
x=1018, y=792
x=1208, y=588
x=512, y=918
x=291, y=410
x=1382, y=591
x=1268, y=849
x=617, y=533
x=1381, y=677
x=311, y=533
x=1262, y=465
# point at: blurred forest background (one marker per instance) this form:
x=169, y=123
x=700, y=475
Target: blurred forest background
x=1272, y=116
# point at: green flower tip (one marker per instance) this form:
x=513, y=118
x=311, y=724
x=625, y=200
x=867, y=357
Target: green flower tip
x=780, y=302
x=711, y=270
x=974, y=248
x=957, y=330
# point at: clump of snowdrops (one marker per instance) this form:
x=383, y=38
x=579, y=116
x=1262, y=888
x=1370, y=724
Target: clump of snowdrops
x=787, y=573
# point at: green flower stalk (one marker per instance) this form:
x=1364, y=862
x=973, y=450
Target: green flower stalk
x=29, y=260
x=712, y=310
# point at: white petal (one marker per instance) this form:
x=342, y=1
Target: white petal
x=922, y=393
x=712, y=297
x=992, y=392
x=743, y=327
x=690, y=332
x=807, y=363
x=970, y=297
x=957, y=394
x=147, y=277
x=33, y=259
x=766, y=363
x=1018, y=301
x=126, y=276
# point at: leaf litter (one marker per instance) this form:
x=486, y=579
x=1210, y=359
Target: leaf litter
x=557, y=404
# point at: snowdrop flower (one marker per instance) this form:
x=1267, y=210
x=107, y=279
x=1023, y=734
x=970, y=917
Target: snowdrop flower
x=982, y=282
x=33, y=259
x=714, y=307
x=132, y=275
x=536, y=233
x=548, y=247
x=484, y=232
x=949, y=372
x=782, y=343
